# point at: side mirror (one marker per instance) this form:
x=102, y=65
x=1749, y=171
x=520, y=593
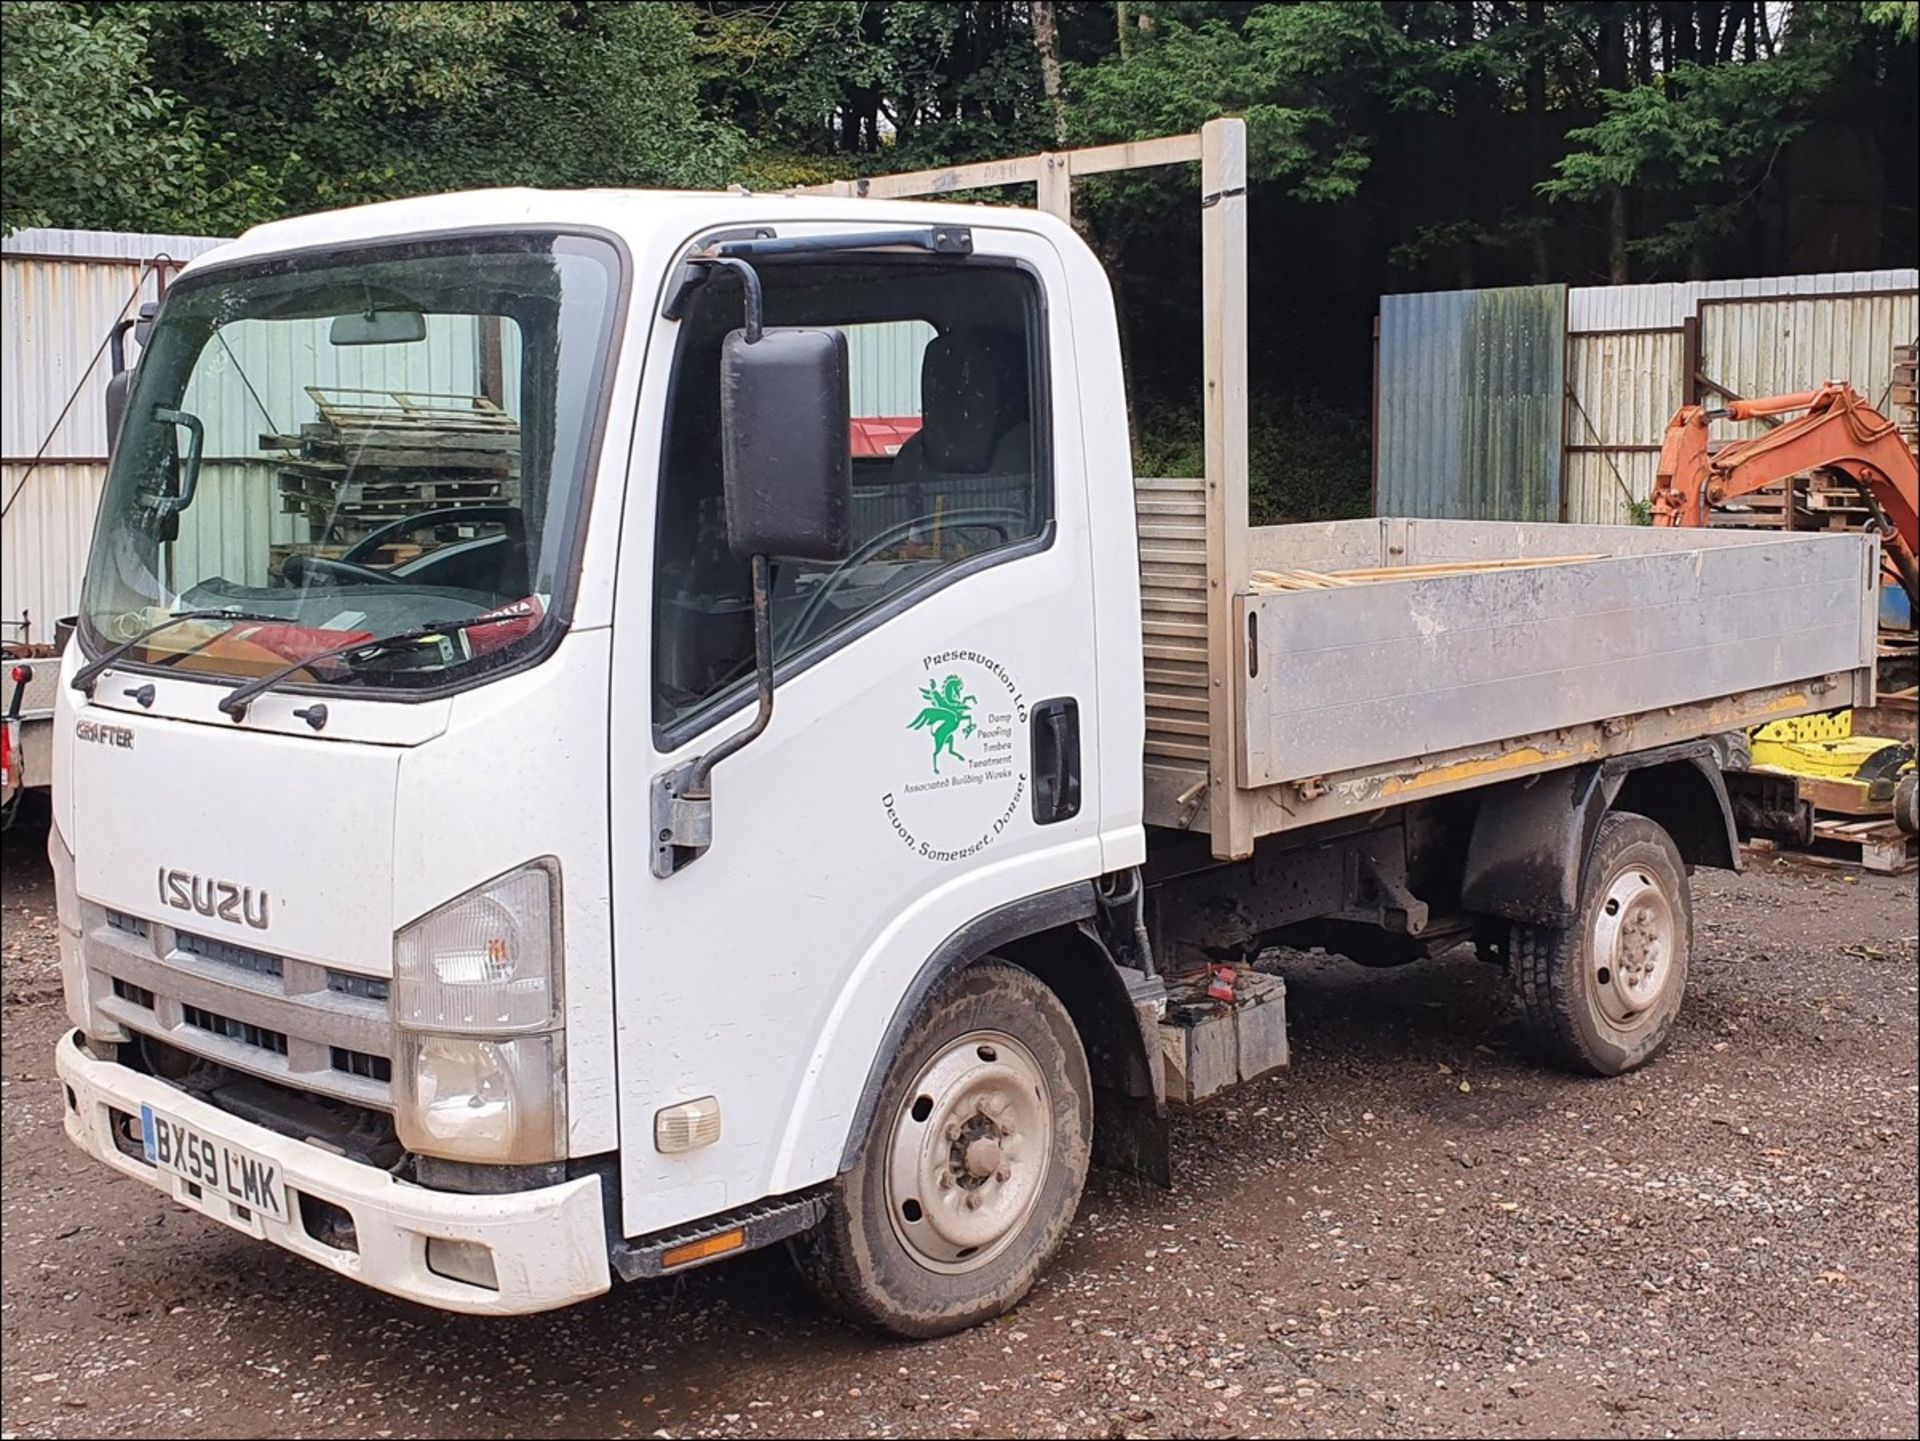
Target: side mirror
x=785, y=454
x=121, y=380
x=118, y=384
x=787, y=466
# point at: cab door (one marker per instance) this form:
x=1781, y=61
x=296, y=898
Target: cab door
x=931, y=756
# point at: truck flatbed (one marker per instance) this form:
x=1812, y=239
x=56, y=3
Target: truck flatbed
x=1288, y=707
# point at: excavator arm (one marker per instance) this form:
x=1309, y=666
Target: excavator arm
x=1839, y=431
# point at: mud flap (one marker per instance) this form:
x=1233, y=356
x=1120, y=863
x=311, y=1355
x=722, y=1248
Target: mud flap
x=1529, y=843
x=1131, y=1129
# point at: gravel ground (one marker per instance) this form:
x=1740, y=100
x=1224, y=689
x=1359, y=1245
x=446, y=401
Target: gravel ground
x=1414, y=1232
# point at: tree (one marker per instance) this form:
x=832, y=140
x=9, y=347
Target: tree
x=1709, y=134
x=373, y=101
x=89, y=140
x=822, y=87
x=1304, y=76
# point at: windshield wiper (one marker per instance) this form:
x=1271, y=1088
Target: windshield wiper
x=84, y=678
x=236, y=701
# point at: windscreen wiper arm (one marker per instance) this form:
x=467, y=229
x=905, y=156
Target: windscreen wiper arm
x=84, y=678
x=236, y=701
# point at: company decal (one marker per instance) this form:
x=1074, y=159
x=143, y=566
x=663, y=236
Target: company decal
x=227, y=900
x=960, y=766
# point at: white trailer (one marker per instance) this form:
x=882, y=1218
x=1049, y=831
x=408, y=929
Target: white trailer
x=569, y=822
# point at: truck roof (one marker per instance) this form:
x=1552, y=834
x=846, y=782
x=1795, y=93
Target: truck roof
x=640, y=217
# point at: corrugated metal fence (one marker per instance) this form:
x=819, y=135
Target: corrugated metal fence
x=61, y=292
x=1631, y=356
x=1468, y=415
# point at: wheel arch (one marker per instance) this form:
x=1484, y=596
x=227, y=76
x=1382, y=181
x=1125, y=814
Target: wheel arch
x=1687, y=798
x=1531, y=838
x=1051, y=935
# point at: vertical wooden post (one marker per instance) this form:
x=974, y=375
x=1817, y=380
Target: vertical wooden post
x=493, y=380
x=1056, y=186
x=1223, y=299
x=1690, y=359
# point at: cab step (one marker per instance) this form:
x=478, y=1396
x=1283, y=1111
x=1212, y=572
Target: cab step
x=745, y=1228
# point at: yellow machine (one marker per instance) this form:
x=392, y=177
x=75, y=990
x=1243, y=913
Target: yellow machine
x=1829, y=768
x=1824, y=747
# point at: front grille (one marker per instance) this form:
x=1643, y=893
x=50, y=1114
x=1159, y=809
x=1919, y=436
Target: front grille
x=228, y=954
x=370, y=988
x=243, y=1031
x=299, y=1025
x=361, y=1063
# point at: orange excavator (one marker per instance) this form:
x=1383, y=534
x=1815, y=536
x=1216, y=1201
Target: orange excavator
x=1838, y=431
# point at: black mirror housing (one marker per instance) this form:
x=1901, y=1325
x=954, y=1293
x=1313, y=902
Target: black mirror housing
x=118, y=384
x=785, y=453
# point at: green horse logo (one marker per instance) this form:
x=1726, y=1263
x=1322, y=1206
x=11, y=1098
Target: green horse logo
x=947, y=711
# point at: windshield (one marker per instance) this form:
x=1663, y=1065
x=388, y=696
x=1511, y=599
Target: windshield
x=351, y=445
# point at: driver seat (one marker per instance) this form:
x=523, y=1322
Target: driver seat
x=974, y=445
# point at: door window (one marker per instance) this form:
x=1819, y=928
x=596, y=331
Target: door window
x=946, y=367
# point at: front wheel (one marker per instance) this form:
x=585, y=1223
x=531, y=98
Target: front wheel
x=1600, y=996
x=972, y=1165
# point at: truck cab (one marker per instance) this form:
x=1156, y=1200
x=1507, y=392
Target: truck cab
x=396, y=951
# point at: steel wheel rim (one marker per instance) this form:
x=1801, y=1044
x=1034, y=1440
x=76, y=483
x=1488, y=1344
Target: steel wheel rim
x=1635, y=937
x=969, y=1152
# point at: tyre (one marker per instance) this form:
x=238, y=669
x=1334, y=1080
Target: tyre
x=1600, y=996
x=972, y=1164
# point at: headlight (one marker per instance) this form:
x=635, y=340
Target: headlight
x=483, y=964
x=482, y=1044
x=497, y=1101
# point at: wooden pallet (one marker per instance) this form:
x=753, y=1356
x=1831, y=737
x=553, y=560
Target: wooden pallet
x=347, y=408
x=1781, y=506
x=1878, y=846
x=1906, y=406
x=406, y=496
x=376, y=456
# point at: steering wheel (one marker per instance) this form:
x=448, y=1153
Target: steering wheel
x=1004, y=523
x=301, y=569
x=510, y=517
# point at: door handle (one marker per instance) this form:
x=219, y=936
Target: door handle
x=1056, y=760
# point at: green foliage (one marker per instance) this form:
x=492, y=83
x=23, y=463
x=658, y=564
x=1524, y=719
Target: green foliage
x=817, y=86
x=1308, y=458
x=90, y=141
x=373, y=101
x=1711, y=134
x=1704, y=132
x=1900, y=16
x=208, y=115
x=1302, y=75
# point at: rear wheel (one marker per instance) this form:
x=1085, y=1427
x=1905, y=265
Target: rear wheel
x=972, y=1165
x=1600, y=996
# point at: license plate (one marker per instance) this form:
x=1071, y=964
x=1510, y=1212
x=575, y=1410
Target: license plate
x=213, y=1165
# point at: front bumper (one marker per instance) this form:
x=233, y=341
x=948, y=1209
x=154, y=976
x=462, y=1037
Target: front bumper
x=549, y=1246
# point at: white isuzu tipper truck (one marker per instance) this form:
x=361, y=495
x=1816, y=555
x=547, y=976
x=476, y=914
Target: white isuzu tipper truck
x=531, y=810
